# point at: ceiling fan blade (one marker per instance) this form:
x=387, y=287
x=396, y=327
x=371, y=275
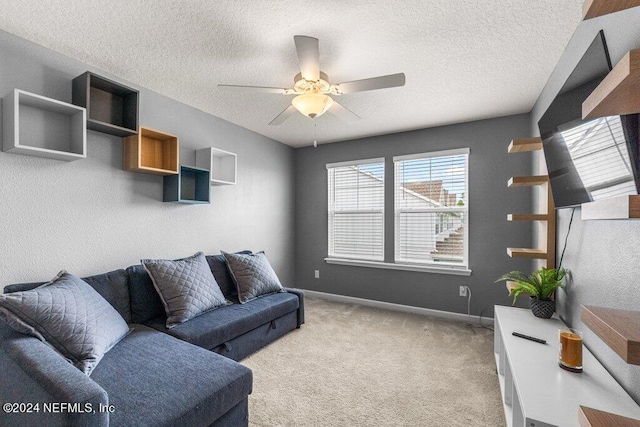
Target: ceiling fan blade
x=280, y=118
x=382, y=82
x=240, y=88
x=308, y=57
x=343, y=113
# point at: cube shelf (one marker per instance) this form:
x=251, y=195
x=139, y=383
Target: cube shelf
x=222, y=165
x=111, y=107
x=191, y=186
x=43, y=127
x=151, y=151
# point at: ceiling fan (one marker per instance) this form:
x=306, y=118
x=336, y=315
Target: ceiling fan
x=312, y=88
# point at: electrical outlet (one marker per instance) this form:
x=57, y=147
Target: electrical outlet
x=463, y=291
x=317, y=274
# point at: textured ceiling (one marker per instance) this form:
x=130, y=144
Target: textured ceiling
x=463, y=59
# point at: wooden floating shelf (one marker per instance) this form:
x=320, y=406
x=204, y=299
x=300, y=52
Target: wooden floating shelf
x=617, y=94
x=510, y=285
x=527, y=217
x=526, y=253
x=589, y=417
x=619, y=329
x=525, y=144
x=622, y=207
x=595, y=8
x=526, y=181
x=151, y=151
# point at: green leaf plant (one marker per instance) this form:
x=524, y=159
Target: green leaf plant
x=540, y=284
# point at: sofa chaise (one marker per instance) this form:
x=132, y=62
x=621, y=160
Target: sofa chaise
x=186, y=375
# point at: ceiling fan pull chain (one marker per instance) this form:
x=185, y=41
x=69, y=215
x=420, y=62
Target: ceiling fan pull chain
x=315, y=133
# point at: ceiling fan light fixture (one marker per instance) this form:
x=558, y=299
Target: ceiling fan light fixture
x=312, y=104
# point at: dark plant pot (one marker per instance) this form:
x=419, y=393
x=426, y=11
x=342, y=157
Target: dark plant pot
x=542, y=308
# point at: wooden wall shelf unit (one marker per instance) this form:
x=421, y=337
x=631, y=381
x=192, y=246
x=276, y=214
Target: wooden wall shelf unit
x=527, y=181
x=151, y=151
x=525, y=144
x=595, y=8
x=619, y=329
x=526, y=253
x=617, y=94
x=222, y=164
x=190, y=186
x=621, y=207
x=43, y=127
x=589, y=417
x=111, y=107
x=535, y=390
x=527, y=217
x=549, y=253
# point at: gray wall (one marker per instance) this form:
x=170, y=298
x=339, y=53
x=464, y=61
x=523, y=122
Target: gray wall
x=603, y=255
x=89, y=216
x=489, y=232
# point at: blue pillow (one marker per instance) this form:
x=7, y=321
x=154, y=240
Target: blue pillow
x=186, y=287
x=253, y=275
x=70, y=316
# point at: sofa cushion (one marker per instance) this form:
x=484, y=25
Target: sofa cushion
x=186, y=287
x=70, y=316
x=112, y=286
x=145, y=301
x=226, y=323
x=252, y=275
x=154, y=379
x=220, y=271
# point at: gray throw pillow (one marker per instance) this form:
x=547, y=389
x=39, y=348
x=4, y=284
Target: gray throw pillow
x=186, y=287
x=253, y=275
x=70, y=316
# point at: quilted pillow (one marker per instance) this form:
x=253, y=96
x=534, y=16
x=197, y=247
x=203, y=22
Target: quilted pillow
x=252, y=275
x=70, y=316
x=220, y=271
x=186, y=287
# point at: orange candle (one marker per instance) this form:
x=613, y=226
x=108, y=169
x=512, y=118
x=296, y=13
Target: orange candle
x=570, y=350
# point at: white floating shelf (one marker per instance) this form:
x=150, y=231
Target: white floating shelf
x=222, y=165
x=43, y=127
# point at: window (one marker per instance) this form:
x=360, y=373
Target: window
x=431, y=208
x=356, y=210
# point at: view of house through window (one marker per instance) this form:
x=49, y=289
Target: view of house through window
x=431, y=207
x=356, y=210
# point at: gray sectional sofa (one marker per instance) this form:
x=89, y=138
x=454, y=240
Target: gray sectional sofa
x=183, y=376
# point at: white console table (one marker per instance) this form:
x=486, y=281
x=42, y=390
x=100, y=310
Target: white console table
x=536, y=392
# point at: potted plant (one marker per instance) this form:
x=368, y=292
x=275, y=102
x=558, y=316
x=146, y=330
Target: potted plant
x=540, y=285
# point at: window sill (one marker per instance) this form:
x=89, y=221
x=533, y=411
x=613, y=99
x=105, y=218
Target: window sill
x=405, y=267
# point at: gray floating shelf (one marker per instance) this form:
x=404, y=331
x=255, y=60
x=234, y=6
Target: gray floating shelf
x=190, y=186
x=111, y=107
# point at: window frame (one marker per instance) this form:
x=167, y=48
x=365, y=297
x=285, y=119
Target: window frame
x=331, y=214
x=465, y=210
x=437, y=268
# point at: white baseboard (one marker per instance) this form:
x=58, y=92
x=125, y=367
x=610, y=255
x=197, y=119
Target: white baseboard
x=397, y=307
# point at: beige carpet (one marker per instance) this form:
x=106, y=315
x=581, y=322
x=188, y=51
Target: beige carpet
x=351, y=365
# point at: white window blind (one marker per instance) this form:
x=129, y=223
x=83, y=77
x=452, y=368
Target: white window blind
x=431, y=208
x=356, y=210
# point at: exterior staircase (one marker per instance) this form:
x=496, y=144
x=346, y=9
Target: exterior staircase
x=451, y=248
